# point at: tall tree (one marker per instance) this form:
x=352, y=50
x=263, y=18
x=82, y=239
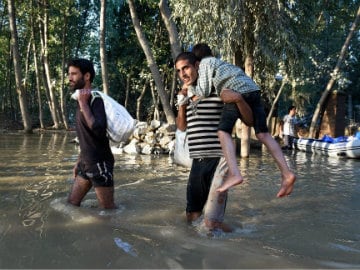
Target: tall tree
x=44, y=38
x=63, y=102
x=27, y=123
x=239, y=32
x=334, y=75
x=171, y=28
x=261, y=32
x=103, y=58
x=37, y=79
x=170, y=117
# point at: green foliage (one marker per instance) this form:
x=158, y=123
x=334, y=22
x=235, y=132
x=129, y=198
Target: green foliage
x=261, y=29
x=125, y=56
x=300, y=40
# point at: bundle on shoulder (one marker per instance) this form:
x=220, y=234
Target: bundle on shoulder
x=120, y=124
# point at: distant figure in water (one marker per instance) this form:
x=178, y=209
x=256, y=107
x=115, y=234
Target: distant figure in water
x=94, y=167
x=289, y=127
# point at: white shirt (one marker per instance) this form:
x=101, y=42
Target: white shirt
x=289, y=125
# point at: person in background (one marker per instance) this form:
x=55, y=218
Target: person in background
x=215, y=73
x=94, y=167
x=289, y=125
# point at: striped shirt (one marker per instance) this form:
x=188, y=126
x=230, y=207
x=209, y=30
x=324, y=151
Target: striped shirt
x=215, y=72
x=203, y=118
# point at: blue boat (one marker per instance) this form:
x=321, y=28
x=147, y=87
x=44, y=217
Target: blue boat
x=348, y=147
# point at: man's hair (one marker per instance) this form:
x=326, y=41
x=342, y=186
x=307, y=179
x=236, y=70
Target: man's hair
x=189, y=56
x=84, y=65
x=202, y=50
x=290, y=108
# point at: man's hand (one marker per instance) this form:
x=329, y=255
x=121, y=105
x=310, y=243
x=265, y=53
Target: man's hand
x=183, y=91
x=182, y=99
x=84, y=96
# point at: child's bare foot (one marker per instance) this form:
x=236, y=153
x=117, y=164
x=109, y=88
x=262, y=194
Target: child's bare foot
x=287, y=185
x=229, y=182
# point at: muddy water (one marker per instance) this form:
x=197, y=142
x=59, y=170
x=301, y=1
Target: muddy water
x=316, y=227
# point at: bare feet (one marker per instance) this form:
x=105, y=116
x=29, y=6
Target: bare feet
x=287, y=185
x=229, y=182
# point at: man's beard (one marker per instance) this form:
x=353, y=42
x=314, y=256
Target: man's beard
x=78, y=85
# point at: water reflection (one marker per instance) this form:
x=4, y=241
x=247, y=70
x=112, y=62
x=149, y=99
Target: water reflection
x=316, y=227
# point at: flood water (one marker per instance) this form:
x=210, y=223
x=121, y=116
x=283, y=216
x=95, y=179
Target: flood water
x=316, y=227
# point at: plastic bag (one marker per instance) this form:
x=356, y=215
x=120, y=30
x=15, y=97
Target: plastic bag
x=327, y=138
x=120, y=124
x=181, y=152
x=357, y=135
x=341, y=139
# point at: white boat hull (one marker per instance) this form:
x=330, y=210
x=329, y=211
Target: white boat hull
x=350, y=149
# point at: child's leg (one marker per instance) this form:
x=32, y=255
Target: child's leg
x=262, y=133
x=288, y=177
x=230, y=96
x=234, y=176
x=228, y=118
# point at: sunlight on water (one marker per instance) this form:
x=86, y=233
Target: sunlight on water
x=315, y=227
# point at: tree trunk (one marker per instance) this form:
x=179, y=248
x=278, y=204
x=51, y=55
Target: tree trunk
x=27, y=59
x=318, y=111
x=156, y=115
x=245, y=130
x=37, y=79
x=127, y=90
x=103, y=59
x=139, y=99
x=174, y=41
x=170, y=117
x=45, y=61
x=63, y=93
x=173, y=87
x=17, y=67
x=9, y=72
x=171, y=28
x=283, y=83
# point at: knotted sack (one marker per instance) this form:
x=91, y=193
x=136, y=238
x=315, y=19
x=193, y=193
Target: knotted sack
x=119, y=123
x=181, y=151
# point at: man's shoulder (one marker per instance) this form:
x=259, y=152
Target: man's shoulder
x=95, y=96
x=287, y=117
x=210, y=61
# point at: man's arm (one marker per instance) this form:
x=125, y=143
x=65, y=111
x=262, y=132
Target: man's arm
x=230, y=96
x=83, y=99
x=181, y=117
x=95, y=115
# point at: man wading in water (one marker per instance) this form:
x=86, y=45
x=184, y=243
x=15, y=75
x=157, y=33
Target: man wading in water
x=94, y=167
